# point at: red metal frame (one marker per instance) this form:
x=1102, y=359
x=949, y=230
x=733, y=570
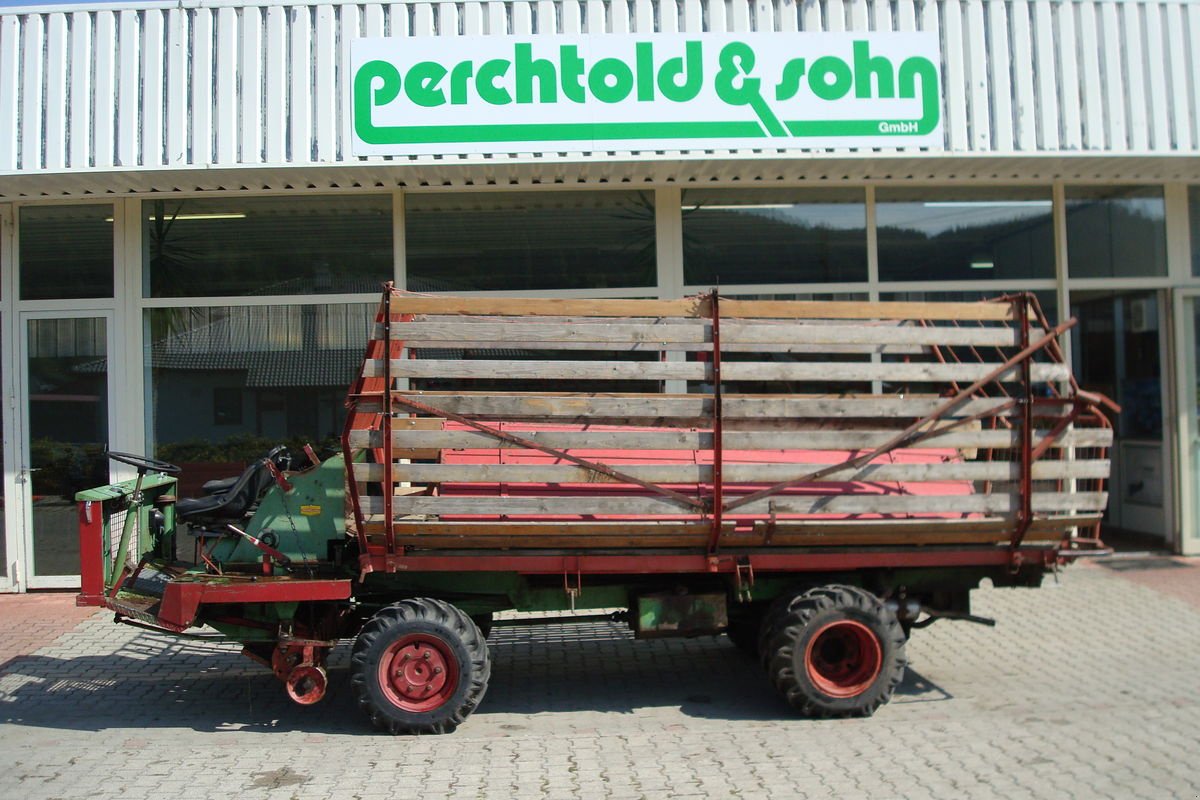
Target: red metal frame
x=715, y=509
x=182, y=599
x=91, y=553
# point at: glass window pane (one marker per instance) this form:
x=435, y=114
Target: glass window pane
x=66, y=252
x=756, y=236
x=1194, y=213
x=217, y=247
x=964, y=234
x=229, y=383
x=530, y=240
x=1116, y=232
x=68, y=432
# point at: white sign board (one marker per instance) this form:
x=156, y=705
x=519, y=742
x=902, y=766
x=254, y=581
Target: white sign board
x=509, y=94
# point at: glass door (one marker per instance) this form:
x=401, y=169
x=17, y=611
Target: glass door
x=66, y=417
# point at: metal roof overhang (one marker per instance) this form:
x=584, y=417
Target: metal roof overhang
x=614, y=169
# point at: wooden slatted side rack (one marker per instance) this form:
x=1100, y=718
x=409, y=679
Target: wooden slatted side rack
x=544, y=424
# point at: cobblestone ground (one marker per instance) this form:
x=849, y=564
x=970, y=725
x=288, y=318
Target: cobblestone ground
x=1087, y=689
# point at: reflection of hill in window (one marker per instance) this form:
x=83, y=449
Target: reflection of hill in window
x=607, y=245
x=332, y=246
x=742, y=246
x=1107, y=238
x=1017, y=248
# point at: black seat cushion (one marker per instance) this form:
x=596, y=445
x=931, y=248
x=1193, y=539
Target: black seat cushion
x=230, y=504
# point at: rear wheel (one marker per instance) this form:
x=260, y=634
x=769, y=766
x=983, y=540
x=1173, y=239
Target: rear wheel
x=419, y=666
x=835, y=651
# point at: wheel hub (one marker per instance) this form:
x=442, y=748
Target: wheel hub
x=418, y=672
x=843, y=658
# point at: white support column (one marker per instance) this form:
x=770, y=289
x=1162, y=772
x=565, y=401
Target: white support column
x=399, y=240
x=668, y=214
x=872, y=269
x=668, y=240
x=10, y=358
x=126, y=373
x=1185, y=423
x=1059, y=201
x=1179, y=374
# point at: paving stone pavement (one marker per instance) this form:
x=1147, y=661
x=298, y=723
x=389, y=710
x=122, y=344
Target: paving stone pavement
x=1087, y=689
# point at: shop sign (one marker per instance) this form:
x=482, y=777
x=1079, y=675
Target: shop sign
x=501, y=94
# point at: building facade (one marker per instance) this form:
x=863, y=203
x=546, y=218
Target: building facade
x=193, y=231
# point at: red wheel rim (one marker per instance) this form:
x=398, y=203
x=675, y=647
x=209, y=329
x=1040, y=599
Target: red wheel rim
x=418, y=672
x=843, y=658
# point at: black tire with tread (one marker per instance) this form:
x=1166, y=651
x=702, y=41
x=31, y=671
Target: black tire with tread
x=793, y=620
x=429, y=616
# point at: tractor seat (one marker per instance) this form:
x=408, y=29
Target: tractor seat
x=231, y=504
x=219, y=486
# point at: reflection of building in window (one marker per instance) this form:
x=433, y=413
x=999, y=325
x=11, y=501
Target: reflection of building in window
x=265, y=371
x=227, y=406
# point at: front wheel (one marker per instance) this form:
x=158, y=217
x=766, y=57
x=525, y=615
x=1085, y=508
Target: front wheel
x=835, y=651
x=419, y=666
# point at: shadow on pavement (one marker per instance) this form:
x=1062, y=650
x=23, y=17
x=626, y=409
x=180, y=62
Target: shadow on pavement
x=154, y=682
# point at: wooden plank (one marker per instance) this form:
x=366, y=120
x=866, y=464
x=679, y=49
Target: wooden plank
x=956, y=78
x=695, y=406
x=732, y=473
x=505, y=306
x=733, y=332
x=819, y=533
x=658, y=347
x=809, y=309
x=625, y=505
x=428, y=440
x=701, y=371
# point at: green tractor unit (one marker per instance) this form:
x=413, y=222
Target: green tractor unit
x=820, y=480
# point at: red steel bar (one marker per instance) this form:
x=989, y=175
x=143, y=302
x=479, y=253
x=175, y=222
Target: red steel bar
x=717, y=424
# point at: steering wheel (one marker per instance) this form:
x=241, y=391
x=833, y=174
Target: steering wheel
x=142, y=463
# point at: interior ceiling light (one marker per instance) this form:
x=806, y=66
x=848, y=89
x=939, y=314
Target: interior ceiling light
x=173, y=217
x=990, y=204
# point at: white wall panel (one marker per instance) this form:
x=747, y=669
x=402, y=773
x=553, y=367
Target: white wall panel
x=220, y=83
x=55, y=134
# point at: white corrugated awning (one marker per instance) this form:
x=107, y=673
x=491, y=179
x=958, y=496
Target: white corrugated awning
x=615, y=170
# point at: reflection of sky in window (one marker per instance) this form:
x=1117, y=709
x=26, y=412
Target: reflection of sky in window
x=933, y=218
x=845, y=216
